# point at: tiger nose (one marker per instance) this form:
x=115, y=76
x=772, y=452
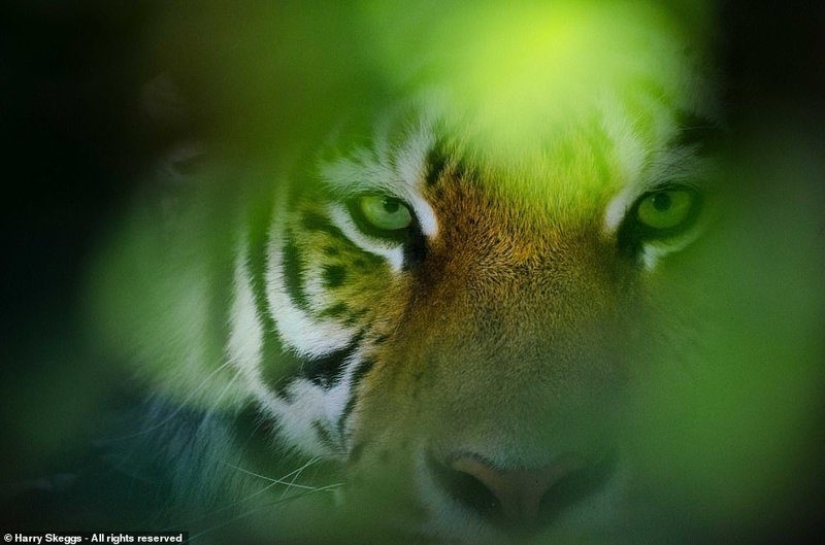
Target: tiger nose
x=520, y=500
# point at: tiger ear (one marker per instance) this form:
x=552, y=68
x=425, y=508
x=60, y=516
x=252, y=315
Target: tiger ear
x=176, y=145
x=176, y=149
x=163, y=104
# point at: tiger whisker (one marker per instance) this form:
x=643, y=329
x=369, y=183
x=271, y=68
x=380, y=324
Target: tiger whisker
x=279, y=501
x=297, y=473
x=287, y=484
x=179, y=408
x=254, y=494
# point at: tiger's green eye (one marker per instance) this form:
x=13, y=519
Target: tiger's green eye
x=666, y=209
x=385, y=213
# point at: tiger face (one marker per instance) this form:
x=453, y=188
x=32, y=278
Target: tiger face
x=458, y=333
x=451, y=308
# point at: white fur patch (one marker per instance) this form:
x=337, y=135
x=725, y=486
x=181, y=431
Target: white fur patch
x=618, y=207
x=315, y=405
x=296, y=421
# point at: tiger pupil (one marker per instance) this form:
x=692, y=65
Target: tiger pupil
x=661, y=202
x=391, y=206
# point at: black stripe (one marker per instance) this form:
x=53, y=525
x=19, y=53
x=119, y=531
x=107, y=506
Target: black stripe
x=280, y=374
x=272, y=356
x=415, y=250
x=355, y=317
x=461, y=171
x=436, y=163
x=695, y=130
x=367, y=260
x=325, y=436
x=323, y=371
x=335, y=311
x=294, y=276
x=334, y=275
x=221, y=272
x=258, y=245
x=360, y=372
x=313, y=221
x=363, y=368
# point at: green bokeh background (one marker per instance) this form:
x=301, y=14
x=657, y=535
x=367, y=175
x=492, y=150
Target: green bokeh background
x=737, y=445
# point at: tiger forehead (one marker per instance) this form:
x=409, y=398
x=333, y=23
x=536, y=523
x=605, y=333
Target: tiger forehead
x=543, y=198
x=407, y=158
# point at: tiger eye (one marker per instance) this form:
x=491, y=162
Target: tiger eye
x=385, y=213
x=666, y=209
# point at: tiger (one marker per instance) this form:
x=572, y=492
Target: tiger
x=426, y=331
